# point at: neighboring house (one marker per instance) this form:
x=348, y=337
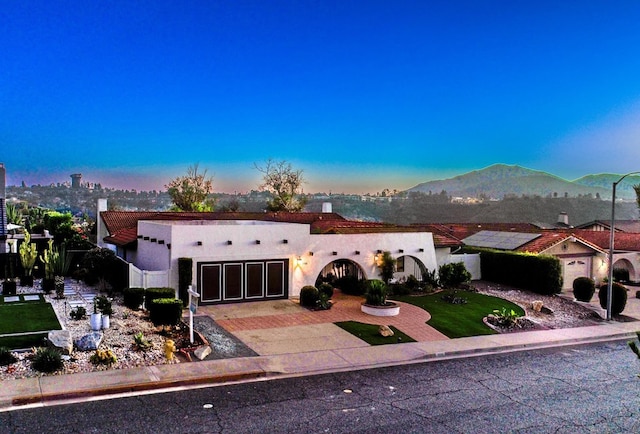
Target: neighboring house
x=581, y=252
x=631, y=226
x=259, y=256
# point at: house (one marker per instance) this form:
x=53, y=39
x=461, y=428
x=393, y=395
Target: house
x=581, y=252
x=260, y=256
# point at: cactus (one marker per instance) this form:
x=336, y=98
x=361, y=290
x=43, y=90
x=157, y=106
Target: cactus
x=49, y=258
x=28, y=254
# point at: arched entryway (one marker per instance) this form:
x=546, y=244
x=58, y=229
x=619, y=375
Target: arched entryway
x=342, y=274
x=408, y=265
x=623, y=270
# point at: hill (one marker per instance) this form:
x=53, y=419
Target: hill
x=500, y=180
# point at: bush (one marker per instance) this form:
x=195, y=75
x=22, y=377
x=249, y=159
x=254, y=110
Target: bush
x=133, y=297
x=452, y=275
x=47, y=360
x=618, y=299
x=185, y=277
x=400, y=289
x=326, y=289
x=151, y=294
x=376, y=294
x=78, y=313
x=412, y=283
x=103, y=305
x=309, y=296
x=165, y=311
x=6, y=357
x=583, y=288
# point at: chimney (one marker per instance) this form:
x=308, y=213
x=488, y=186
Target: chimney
x=563, y=219
x=326, y=207
x=101, y=229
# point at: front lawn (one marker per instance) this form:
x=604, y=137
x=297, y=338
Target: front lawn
x=369, y=333
x=26, y=317
x=460, y=320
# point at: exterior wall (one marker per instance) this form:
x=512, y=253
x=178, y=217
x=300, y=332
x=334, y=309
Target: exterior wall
x=569, y=250
x=629, y=261
x=307, y=254
x=471, y=263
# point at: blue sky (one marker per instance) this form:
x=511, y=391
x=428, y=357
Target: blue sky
x=361, y=95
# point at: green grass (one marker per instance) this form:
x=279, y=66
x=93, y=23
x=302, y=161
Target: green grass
x=26, y=317
x=460, y=320
x=369, y=333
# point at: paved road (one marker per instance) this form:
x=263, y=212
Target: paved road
x=572, y=390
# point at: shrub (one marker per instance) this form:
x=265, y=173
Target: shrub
x=133, y=297
x=47, y=360
x=618, y=299
x=309, y=296
x=185, y=276
x=141, y=342
x=376, y=294
x=103, y=304
x=151, y=294
x=103, y=357
x=412, y=283
x=400, y=289
x=327, y=289
x=78, y=313
x=583, y=288
x=452, y=275
x=431, y=278
x=387, y=266
x=165, y=311
x=6, y=357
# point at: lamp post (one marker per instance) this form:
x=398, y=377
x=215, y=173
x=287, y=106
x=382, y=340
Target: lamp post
x=611, y=239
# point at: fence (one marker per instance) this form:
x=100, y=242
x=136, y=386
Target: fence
x=147, y=279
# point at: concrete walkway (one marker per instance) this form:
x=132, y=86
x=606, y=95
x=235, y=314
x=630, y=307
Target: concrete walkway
x=303, y=356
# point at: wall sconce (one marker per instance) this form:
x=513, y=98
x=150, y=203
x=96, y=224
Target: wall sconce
x=400, y=251
x=160, y=241
x=285, y=241
x=310, y=253
x=257, y=241
x=420, y=249
x=145, y=238
x=153, y=240
x=357, y=252
x=379, y=252
x=334, y=253
x=229, y=242
x=299, y=260
x=199, y=243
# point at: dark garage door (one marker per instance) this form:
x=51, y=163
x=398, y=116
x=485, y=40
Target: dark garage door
x=228, y=282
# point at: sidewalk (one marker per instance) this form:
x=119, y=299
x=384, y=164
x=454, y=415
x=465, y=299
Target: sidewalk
x=298, y=360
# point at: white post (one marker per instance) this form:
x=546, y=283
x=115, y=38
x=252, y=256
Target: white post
x=193, y=305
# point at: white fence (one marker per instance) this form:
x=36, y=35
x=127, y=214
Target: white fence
x=471, y=262
x=147, y=279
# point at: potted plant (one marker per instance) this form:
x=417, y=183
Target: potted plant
x=61, y=262
x=96, y=317
x=9, y=285
x=48, y=258
x=28, y=256
x=104, y=305
x=376, y=300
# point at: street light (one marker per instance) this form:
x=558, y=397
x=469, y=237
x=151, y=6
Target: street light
x=611, y=237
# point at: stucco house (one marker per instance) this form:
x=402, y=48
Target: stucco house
x=260, y=256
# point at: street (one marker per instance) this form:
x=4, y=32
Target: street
x=591, y=388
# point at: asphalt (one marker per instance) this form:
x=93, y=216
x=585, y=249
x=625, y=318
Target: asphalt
x=298, y=350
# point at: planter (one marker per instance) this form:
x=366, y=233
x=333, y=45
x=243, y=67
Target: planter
x=9, y=287
x=59, y=286
x=106, y=321
x=389, y=309
x=48, y=285
x=96, y=321
x=26, y=280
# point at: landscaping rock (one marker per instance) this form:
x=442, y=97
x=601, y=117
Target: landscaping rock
x=89, y=342
x=536, y=305
x=61, y=341
x=385, y=331
x=202, y=352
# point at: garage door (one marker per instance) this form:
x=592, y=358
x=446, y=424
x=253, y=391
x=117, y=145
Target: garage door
x=574, y=268
x=230, y=282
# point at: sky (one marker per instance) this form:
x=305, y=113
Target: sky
x=360, y=95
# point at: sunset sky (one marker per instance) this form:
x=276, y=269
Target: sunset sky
x=361, y=95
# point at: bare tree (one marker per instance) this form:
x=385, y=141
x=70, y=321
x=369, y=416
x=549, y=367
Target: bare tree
x=192, y=191
x=285, y=185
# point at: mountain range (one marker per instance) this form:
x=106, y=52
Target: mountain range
x=500, y=180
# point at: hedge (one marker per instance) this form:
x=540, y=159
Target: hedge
x=133, y=297
x=165, y=311
x=185, y=276
x=541, y=274
x=151, y=294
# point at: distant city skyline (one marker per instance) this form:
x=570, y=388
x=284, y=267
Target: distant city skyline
x=362, y=96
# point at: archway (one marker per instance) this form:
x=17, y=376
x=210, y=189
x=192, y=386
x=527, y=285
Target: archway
x=623, y=270
x=408, y=265
x=343, y=274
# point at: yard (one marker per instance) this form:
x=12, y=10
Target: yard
x=36, y=316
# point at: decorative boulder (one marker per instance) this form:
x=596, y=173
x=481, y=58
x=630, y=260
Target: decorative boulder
x=536, y=305
x=202, y=352
x=385, y=331
x=60, y=340
x=89, y=342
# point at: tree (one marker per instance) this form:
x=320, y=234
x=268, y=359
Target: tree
x=285, y=185
x=192, y=191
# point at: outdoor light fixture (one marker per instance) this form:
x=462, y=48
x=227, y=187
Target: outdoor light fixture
x=139, y=236
x=400, y=251
x=160, y=241
x=145, y=238
x=153, y=240
x=169, y=246
x=285, y=241
x=199, y=243
x=357, y=252
x=611, y=239
x=310, y=253
x=229, y=242
x=334, y=253
x=257, y=241
x=421, y=249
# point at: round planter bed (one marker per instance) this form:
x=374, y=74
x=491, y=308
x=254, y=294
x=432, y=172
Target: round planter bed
x=389, y=309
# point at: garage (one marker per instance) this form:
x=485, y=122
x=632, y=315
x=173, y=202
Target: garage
x=574, y=268
x=238, y=281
